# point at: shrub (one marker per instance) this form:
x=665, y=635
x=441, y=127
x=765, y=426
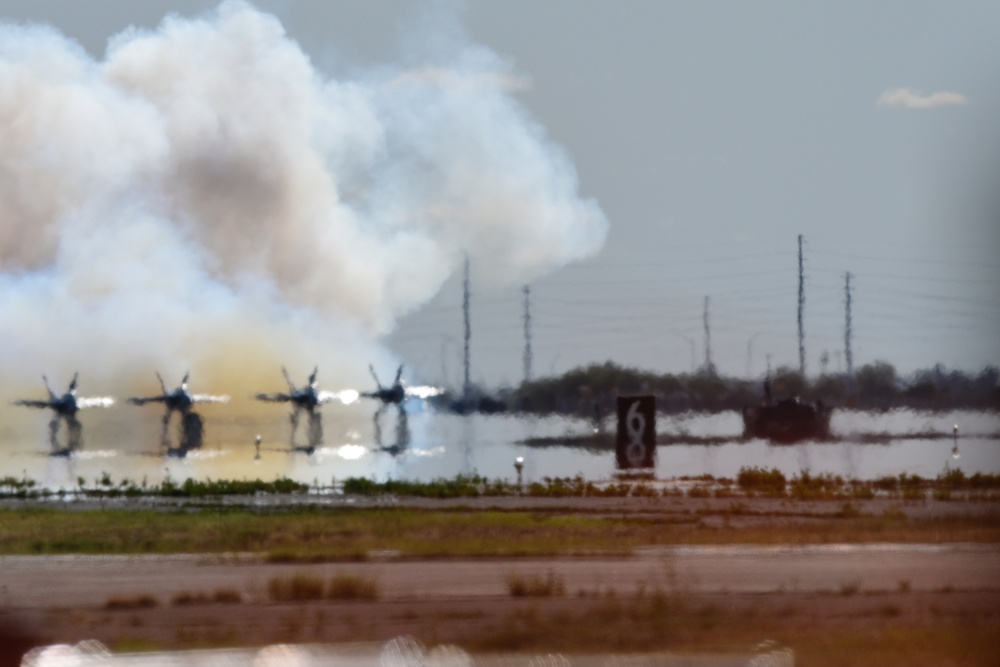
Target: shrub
x=768, y=482
x=807, y=487
x=698, y=492
x=886, y=483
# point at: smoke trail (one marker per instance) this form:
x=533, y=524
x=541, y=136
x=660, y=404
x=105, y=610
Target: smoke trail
x=203, y=197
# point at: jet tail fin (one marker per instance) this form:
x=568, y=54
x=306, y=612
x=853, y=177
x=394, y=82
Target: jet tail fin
x=163, y=385
x=288, y=379
x=399, y=374
x=372, y=369
x=52, y=394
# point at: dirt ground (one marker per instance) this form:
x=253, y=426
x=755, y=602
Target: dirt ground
x=661, y=598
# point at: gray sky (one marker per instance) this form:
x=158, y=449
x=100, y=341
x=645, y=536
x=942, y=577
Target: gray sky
x=712, y=134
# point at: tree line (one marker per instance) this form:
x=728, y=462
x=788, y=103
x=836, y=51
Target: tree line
x=592, y=390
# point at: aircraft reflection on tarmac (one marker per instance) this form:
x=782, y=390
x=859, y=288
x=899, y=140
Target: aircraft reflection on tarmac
x=180, y=400
x=308, y=398
x=65, y=408
x=396, y=394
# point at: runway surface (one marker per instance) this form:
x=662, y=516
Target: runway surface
x=47, y=581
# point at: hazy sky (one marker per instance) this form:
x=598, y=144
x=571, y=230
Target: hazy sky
x=711, y=134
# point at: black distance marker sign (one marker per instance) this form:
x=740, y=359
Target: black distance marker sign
x=636, y=443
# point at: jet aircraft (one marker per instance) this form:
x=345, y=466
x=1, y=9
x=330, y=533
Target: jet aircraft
x=65, y=408
x=396, y=394
x=307, y=398
x=180, y=400
x=393, y=394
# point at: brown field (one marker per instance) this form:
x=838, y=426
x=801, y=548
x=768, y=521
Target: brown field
x=880, y=583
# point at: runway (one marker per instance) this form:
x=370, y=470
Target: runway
x=73, y=581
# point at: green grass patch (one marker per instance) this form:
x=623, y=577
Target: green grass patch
x=305, y=534
x=763, y=482
x=105, y=487
x=751, y=481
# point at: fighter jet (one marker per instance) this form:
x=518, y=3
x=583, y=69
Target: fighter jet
x=181, y=401
x=396, y=394
x=307, y=398
x=65, y=408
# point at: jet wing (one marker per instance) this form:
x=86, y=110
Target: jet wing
x=274, y=398
x=147, y=399
x=34, y=404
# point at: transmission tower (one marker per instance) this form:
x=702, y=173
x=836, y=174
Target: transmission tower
x=802, y=306
x=847, y=325
x=468, y=327
x=527, y=333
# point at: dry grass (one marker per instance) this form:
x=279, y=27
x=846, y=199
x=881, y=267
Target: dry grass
x=303, y=587
x=227, y=596
x=677, y=623
x=890, y=627
x=221, y=596
x=352, y=587
x=535, y=585
x=187, y=599
x=140, y=601
x=849, y=588
x=299, y=587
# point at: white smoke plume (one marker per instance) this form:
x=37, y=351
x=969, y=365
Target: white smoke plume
x=203, y=197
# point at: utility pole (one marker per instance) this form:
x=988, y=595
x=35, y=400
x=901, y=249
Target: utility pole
x=527, y=334
x=468, y=327
x=802, y=306
x=693, y=345
x=847, y=325
x=750, y=353
x=709, y=368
